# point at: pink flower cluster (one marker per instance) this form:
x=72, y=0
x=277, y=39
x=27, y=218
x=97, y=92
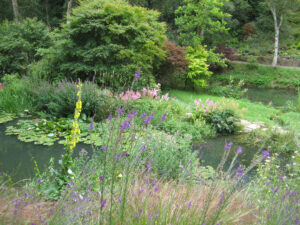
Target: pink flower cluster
x=205, y=106
x=146, y=92
x=130, y=95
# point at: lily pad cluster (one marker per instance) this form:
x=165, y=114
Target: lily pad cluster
x=47, y=132
x=6, y=117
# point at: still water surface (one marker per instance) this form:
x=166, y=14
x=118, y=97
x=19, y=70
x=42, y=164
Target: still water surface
x=16, y=156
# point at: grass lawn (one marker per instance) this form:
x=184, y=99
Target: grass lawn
x=256, y=111
x=263, y=76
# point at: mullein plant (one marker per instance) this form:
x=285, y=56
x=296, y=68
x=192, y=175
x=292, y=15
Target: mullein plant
x=62, y=176
x=67, y=161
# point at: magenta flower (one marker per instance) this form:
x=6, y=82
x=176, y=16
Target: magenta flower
x=189, y=205
x=109, y=117
x=239, y=150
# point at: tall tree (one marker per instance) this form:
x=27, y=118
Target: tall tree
x=279, y=10
x=197, y=17
x=16, y=9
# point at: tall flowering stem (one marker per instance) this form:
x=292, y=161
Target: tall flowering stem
x=72, y=140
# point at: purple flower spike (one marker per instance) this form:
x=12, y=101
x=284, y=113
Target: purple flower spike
x=138, y=74
x=102, y=205
x=40, y=180
x=266, y=154
x=239, y=150
x=227, y=146
x=240, y=172
x=189, y=205
x=125, y=125
x=91, y=126
x=143, y=115
x=163, y=117
x=109, y=117
x=120, y=111
x=100, y=178
x=104, y=148
x=143, y=148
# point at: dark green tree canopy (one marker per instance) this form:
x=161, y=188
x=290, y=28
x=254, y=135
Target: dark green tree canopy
x=107, y=39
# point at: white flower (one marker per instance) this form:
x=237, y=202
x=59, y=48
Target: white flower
x=70, y=172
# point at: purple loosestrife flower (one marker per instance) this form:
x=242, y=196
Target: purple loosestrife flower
x=148, y=119
x=100, y=178
x=163, y=117
x=138, y=74
x=189, y=205
x=227, y=146
x=240, y=172
x=143, y=148
x=120, y=111
x=109, y=117
x=125, y=125
x=91, y=126
x=39, y=180
x=266, y=154
x=149, y=217
x=143, y=115
x=104, y=148
x=239, y=150
x=102, y=205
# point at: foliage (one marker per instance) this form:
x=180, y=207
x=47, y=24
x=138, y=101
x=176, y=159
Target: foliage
x=283, y=143
x=16, y=95
x=19, y=44
x=263, y=76
x=249, y=29
x=227, y=52
x=196, y=18
x=198, y=69
x=231, y=90
x=131, y=39
x=96, y=103
x=223, y=116
x=174, y=68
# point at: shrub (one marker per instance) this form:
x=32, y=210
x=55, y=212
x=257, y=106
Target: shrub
x=19, y=44
x=110, y=40
x=174, y=68
x=16, y=95
x=231, y=90
x=224, y=116
x=62, y=101
x=198, y=68
x=249, y=30
x=227, y=52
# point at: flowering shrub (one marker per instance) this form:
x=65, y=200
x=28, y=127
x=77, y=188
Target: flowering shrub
x=221, y=115
x=146, y=93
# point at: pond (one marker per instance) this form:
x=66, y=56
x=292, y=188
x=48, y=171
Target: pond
x=16, y=157
x=277, y=97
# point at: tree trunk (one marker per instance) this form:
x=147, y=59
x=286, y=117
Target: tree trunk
x=69, y=8
x=277, y=31
x=276, y=46
x=16, y=10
